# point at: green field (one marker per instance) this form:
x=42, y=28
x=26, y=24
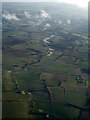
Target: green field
x=45, y=61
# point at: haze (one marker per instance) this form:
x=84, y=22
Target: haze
x=80, y=3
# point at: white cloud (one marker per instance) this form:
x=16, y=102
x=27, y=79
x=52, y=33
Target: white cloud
x=47, y=25
x=10, y=16
x=60, y=22
x=68, y=21
x=27, y=14
x=44, y=14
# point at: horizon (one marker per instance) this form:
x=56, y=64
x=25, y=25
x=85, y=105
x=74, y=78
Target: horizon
x=79, y=3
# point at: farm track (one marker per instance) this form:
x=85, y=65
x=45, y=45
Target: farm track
x=48, y=96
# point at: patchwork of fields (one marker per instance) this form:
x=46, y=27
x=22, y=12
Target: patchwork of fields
x=45, y=61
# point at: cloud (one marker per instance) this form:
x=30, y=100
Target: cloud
x=47, y=25
x=68, y=21
x=27, y=14
x=60, y=22
x=10, y=16
x=44, y=14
